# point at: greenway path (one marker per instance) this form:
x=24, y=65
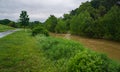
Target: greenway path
x=110, y=48
x=2, y=34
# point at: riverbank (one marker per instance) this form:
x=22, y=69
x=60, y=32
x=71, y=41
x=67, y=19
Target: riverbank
x=110, y=48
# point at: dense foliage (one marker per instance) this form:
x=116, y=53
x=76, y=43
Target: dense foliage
x=81, y=24
x=51, y=23
x=61, y=27
x=24, y=53
x=96, y=19
x=9, y=23
x=39, y=30
x=70, y=56
x=91, y=62
x=5, y=21
x=35, y=24
x=111, y=22
x=24, y=19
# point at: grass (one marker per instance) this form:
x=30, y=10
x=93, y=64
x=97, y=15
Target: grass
x=5, y=28
x=20, y=52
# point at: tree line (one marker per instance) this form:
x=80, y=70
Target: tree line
x=95, y=19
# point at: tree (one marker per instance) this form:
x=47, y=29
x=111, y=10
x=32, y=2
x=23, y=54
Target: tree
x=81, y=24
x=106, y=3
x=12, y=24
x=24, y=19
x=66, y=19
x=34, y=24
x=111, y=22
x=51, y=23
x=61, y=27
x=5, y=21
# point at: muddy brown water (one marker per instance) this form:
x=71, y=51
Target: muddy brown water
x=110, y=48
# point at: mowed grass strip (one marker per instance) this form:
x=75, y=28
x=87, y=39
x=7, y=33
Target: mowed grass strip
x=19, y=53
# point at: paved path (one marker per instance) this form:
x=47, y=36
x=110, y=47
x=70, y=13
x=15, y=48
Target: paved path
x=3, y=34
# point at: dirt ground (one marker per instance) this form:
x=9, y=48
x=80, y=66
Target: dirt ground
x=110, y=48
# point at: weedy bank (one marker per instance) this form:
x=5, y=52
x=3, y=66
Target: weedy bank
x=21, y=52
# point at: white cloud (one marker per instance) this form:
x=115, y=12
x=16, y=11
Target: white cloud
x=37, y=9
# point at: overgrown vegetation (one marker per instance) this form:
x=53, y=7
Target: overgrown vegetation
x=22, y=52
x=9, y=23
x=39, y=30
x=88, y=61
x=70, y=56
x=51, y=23
x=96, y=19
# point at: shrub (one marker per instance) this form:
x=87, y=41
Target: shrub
x=87, y=61
x=70, y=56
x=55, y=48
x=39, y=30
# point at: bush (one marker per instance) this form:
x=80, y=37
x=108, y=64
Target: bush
x=39, y=30
x=55, y=48
x=70, y=56
x=58, y=51
x=81, y=24
x=91, y=62
x=61, y=27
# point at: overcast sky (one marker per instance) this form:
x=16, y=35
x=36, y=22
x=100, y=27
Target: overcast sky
x=37, y=9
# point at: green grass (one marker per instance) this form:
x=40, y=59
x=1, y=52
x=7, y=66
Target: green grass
x=5, y=28
x=20, y=52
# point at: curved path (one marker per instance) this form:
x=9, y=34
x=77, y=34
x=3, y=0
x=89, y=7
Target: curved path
x=112, y=49
x=2, y=34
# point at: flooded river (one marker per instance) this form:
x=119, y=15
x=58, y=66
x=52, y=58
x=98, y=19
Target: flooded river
x=110, y=48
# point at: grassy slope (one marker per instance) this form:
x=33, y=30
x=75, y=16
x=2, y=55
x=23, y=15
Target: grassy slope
x=20, y=52
x=5, y=28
